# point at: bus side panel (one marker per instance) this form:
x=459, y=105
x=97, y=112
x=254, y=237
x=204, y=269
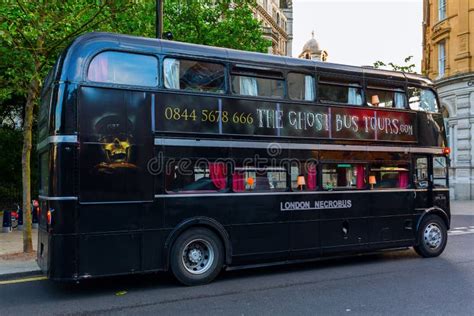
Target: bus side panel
x=154, y=236
x=109, y=254
x=114, y=217
x=392, y=221
x=260, y=230
x=344, y=228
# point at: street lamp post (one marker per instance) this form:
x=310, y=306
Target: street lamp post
x=159, y=18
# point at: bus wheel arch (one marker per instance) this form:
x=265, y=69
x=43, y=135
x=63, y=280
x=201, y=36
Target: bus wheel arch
x=199, y=222
x=434, y=211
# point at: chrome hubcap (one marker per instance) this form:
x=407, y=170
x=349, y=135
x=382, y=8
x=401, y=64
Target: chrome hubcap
x=432, y=236
x=198, y=256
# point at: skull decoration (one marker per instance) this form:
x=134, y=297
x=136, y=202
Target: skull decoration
x=116, y=139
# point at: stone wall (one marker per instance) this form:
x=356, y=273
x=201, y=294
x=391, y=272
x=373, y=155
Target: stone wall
x=457, y=96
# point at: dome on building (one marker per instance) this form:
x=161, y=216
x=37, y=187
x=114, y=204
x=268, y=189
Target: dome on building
x=311, y=50
x=312, y=46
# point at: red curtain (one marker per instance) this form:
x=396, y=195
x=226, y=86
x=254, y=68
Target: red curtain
x=238, y=182
x=217, y=172
x=311, y=185
x=360, y=180
x=403, y=179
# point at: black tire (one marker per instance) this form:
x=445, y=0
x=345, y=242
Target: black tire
x=432, y=237
x=197, y=256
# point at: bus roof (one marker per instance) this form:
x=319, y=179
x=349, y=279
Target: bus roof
x=86, y=46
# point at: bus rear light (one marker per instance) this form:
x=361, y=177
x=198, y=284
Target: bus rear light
x=446, y=150
x=49, y=217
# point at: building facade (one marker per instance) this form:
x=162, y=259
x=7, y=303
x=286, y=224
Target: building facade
x=448, y=59
x=277, y=23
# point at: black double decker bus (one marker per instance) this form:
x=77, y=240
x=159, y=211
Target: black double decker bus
x=158, y=155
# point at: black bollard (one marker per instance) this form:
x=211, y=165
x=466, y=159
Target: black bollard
x=7, y=222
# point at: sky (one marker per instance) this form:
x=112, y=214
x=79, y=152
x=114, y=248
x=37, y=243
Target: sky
x=360, y=32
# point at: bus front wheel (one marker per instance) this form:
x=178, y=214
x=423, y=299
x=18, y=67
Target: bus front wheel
x=197, y=256
x=432, y=237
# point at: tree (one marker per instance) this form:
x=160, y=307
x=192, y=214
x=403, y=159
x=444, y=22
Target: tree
x=33, y=33
x=409, y=67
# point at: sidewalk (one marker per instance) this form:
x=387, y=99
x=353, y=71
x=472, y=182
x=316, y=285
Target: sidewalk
x=12, y=260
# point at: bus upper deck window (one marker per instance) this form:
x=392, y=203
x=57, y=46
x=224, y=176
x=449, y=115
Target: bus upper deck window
x=124, y=68
x=386, y=98
x=422, y=100
x=194, y=75
x=300, y=86
x=257, y=86
x=338, y=93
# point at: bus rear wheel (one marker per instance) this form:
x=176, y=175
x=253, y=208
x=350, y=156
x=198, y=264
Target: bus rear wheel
x=432, y=237
x=197, y=256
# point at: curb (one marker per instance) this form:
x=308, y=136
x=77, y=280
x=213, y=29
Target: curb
x=16, y=275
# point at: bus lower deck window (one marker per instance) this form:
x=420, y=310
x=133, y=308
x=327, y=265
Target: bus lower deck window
x=201, y=176
x=304, y=176
x=252, y=179
x=389, y=177
x=344, y=176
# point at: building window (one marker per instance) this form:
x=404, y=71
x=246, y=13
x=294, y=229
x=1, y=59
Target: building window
x=441, y=59
x=441, y=10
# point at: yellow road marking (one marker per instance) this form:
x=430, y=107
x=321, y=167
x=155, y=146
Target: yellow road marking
x=32, y=279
